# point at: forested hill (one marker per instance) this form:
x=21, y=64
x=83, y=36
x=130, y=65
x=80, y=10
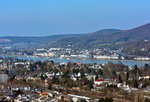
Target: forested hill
x=16, y=41
x=101, y=38
x=106, y=37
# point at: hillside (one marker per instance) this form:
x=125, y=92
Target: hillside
x=112, y=38
x=91, y=40
x=140, y=48
x=30, y=42
x=107, y=37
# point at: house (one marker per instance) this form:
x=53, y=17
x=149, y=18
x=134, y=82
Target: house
x=79, y=64
x=99, y=81
x=147, y=77
x=75, y=98
x=30, y=78
x=45, y=94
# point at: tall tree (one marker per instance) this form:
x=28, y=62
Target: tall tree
x=135, y=69
x=96, y=77
x=127, y=76
x=120, y=79
x=100, y=71
x=135, y=84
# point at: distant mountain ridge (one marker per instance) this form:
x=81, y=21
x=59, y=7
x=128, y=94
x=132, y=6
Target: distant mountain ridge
x=31, y=42
x=98, y=39
x=30, y=39
x=107, y=37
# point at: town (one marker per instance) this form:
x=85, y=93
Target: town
x=69, y=53
x=47, y=81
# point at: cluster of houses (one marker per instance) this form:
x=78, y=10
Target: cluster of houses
x=142, y=58
x=75, y=53
x=28, y=94
x=114, y=57
x=96, y=54
x=42, y=95
x=62, y=53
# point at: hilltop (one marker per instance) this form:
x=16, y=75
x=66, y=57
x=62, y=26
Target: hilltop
x=101, y=38
x=106, y=37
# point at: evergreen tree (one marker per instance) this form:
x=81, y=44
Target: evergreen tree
x=113, y=72
x=120, y=79
x=100, y=72
x=82, y=74
x=135, y=69
x=96, y=77
x=49, y=86
x=92, y=80
x=137, y=74
x=146, y=65
x=90, y=85
x=135, y=84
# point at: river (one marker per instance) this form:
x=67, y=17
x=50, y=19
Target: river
x=129, y=63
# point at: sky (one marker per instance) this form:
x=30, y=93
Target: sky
x=51, y=17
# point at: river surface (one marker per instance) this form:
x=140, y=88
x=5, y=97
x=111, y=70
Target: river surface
x=84, y=61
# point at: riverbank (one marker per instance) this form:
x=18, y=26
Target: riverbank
x=75, y=58
x=129, y=63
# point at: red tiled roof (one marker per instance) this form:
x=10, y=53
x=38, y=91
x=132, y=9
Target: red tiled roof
x=79, y=63
x=44, y=93
x=99, y=80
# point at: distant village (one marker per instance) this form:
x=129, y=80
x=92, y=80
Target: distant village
x=47, y=81
x=70, y=53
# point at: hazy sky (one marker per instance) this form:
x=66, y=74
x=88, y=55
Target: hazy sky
x=49, y=17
